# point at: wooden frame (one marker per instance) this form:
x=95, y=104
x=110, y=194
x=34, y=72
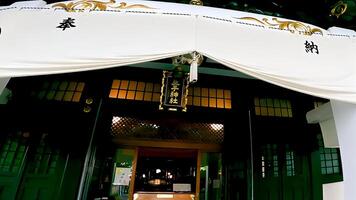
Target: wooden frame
x=134, y=166
x=133, y=175
x=167, y=144
x=197, y=182
x=130, y=143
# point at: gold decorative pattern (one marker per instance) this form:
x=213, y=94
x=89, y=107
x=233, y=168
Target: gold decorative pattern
x=162, y=91
x=96, y=5
x=185, y=101
x=291, y=26
x=338, y=9
x=124, y=5
x=196, y=2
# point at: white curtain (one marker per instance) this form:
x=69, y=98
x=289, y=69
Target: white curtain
x=34, y=41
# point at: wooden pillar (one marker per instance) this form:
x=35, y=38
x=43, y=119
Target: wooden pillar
x=133, y=176
x=197, y=184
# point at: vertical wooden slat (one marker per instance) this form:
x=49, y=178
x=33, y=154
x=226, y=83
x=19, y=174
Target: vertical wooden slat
x=197, y=185
x=133, y=175
x=11, y=165
x=46, y=164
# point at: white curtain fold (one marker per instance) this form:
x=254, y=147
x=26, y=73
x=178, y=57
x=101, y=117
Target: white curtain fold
x=34, y=45
x=113, y=34
x=280, y=58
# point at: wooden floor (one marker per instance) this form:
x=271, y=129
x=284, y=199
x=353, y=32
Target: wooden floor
x=163, y=196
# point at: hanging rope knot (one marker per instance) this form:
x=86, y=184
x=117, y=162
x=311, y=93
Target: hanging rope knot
x=194, y=59
x=197, y=59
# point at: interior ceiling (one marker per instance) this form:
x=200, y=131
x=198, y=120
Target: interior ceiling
x=317, y=12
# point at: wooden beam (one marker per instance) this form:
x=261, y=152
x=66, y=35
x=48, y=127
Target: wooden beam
x=201, y=70
x=167, y=144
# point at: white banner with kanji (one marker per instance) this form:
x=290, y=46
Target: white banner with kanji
x=87, y=35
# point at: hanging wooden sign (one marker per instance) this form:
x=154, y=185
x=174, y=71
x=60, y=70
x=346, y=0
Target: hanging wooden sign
x=174, y=92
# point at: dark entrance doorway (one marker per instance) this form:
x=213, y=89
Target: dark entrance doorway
x=281, y=173
x=143, y=158
x=170, y=172
x=281, y=155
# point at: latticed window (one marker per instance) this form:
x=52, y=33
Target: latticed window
x=12, y=152
x=329, y=158
x=290, y=161
x=132, y=128
x=269, y=161
x=330, y=161
x=273, y=107
x=135, y=90
x=70, y=91
x=45, y=158
x=147, y=91
x=209, y=97
x=272, y=156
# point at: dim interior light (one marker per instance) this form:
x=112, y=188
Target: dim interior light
x=217, y=127
x=115, y=120
x=165, y=196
